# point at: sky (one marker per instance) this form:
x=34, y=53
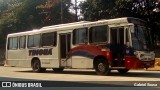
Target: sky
x=78, y=2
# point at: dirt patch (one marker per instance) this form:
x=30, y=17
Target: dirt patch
x=156, y=66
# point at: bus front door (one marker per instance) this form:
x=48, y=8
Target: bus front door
x=65, y=45
x=117, y=46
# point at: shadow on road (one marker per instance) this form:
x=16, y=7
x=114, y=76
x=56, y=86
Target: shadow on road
x=145, y=74
x=138, y=74
x=64, y=72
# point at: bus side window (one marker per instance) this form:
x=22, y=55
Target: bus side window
x=22, y=42
x=98, y=34
x=34, y=40
x=80, y=36
x=13, y=43
x=113, y=35
x=121, y=36
x=49, y=39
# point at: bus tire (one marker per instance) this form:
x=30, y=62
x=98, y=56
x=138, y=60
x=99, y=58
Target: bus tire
x=102, y=67
x=36, y=66
x=123, y=71
x=58, y=69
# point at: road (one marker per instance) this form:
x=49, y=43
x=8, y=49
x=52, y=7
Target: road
x=81, y=77
x=78, y=75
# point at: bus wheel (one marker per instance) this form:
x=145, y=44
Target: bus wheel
x=36, y=66
x=101, y=67
x=58, y=69
x=123, y=71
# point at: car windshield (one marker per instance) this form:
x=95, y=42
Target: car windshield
x=141, y=38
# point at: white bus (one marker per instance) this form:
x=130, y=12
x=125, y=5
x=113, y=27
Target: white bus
x=115, y=44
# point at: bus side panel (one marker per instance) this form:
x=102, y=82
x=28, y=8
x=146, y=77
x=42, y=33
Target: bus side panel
x=19, y=63
x=81, y=62
x=48, y=56
x=68, y=62
x=49, y=63
x=17, y=58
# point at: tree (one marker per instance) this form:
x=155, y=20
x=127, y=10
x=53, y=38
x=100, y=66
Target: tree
x=51, y=7
x=23, y=15
x=97, y=9
x=7, y=18
x=106, y=9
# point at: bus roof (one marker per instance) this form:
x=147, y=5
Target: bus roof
x=59, y=25
x=80, y=24
x=88, y=23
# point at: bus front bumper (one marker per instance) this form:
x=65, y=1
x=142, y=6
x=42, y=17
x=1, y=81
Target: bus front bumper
x=135, y=63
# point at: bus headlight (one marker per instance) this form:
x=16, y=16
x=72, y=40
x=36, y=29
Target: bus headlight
x=142, y=56
x=145, y=56
x=136, y=53
x=153, y=55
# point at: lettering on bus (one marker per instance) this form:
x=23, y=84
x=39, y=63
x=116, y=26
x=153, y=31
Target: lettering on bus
x=40, y=52
x=92, y=24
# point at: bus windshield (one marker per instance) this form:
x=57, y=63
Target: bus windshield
x=141, y=38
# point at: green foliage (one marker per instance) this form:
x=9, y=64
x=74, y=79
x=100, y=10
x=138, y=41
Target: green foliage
x=48, y=10
x=97, y=9
x=106, y=9
x=22, y=15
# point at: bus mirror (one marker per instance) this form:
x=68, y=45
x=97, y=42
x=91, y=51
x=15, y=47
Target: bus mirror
x=132, y=29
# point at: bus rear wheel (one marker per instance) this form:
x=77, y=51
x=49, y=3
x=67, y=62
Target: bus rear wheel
x=102, y=67
x=36, y=66
x=123, y=71
x=58, y=69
